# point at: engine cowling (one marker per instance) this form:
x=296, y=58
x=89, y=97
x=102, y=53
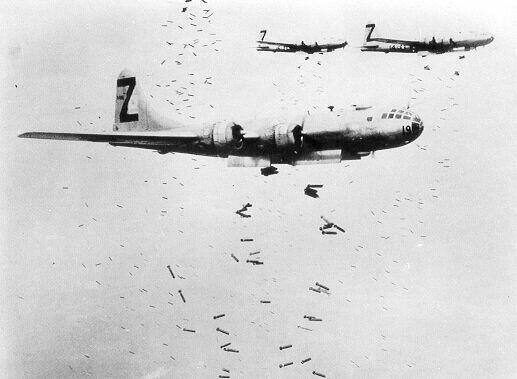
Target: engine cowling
x=228, y=137
x=288, y=137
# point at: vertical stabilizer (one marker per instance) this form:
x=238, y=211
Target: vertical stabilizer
x=133, y=112
x=368, y=32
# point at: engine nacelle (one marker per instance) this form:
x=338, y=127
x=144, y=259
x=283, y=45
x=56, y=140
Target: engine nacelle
x=227, y=137
x=288, y=137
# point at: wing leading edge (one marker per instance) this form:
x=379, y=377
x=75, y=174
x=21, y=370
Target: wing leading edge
x=291, y=45
x=128, y=139
x=396, y=41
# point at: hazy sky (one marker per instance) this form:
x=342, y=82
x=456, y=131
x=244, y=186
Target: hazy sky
x=423, y=282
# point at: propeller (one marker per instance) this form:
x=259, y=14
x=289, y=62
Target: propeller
x=298, y=137
x=238, y=135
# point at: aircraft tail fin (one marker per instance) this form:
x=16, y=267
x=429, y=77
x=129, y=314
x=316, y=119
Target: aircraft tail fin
x=133, y=112
x=262, y=34
x=368, y=32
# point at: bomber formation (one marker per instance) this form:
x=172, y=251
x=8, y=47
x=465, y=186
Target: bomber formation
x=311, y=138
x=384, y=45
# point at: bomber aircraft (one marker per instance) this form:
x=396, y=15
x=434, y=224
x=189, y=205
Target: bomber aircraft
x=309, y=139
x=282, y=47
x=387, y=45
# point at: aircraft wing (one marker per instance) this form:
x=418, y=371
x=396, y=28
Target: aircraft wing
x=126, y=139
x=396, y=41
x=333, y=45
x=289, y=45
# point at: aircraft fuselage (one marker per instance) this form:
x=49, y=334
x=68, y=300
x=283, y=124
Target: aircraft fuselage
x=354, y=135
x=308, y=49
x=429, y=47
x=389, y=45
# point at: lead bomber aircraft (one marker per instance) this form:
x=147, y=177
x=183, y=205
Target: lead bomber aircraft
x=310, y=139
x=388, y=45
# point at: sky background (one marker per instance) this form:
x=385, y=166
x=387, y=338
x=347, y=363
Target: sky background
x=423, y=281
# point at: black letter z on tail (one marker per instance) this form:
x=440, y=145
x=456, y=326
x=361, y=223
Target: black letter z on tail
x=124, y=116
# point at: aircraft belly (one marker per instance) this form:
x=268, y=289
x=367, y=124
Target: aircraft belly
x=323, y=141
x=248, y=161
x=376, y=141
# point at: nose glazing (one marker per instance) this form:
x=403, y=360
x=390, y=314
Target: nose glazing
x=417, y=126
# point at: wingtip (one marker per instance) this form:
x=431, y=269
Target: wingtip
x=37, y=135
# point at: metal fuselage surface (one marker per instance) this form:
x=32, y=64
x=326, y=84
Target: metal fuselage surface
x=354, y=134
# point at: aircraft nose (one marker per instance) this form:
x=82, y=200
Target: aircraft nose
x=417, y=126
x=421, y=129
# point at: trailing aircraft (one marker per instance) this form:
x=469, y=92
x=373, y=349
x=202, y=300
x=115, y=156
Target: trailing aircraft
x=388, y=45
x=327, y=137
x=282, y=47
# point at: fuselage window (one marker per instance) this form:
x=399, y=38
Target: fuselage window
x=393, y=110
x=369, y=118
x=384, y=115
x=407, y=117
x=391, y=115
x=398, y=115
